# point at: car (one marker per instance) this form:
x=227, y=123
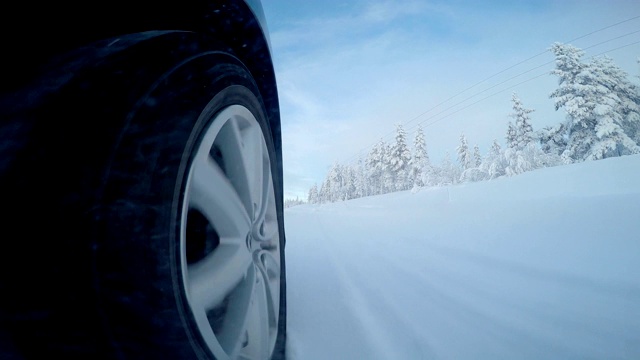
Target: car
x=141, y=170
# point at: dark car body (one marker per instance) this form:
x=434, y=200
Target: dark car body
x=57, y=213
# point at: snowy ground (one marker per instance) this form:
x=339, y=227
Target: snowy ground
x=544, y=265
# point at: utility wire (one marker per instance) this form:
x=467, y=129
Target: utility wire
x=524, y=61
x=360, y=152
x=525, y=72
x=507, y=80
x=604, y=28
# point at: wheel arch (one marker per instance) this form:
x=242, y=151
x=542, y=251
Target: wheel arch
x=48, y=28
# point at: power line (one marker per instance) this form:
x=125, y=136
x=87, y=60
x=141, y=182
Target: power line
x=352, y=158
x=604, y=28
x=530, y=70
x=505, y=81
x=527, y=60
x=615, y=38
x=513, y=86
x=485, y=98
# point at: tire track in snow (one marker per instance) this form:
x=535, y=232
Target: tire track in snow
x=309, y=253
x=369, y=319
x=392, y=337
x=464, y=329
x=401, y=337
x=513, y=322
x=451, y=315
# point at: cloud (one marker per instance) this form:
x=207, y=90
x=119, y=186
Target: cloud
x=386, y=11
x=347, y=74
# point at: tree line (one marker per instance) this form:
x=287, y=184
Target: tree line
x=602, y=120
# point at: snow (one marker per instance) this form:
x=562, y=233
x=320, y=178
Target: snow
x=543, y=265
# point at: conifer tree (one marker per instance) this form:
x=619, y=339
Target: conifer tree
x=313, y=194
x=377, y=167
x=596, y=114
x=494, y=164
x=512, y=136
x=523, y=128
x=420, y=161
x=477, y=158
x=399, y=160
x=447, y=173
x=464, y=155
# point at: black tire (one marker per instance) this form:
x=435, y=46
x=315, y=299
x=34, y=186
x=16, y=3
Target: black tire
x=110, y=236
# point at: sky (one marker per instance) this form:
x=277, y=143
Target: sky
x=348, y=72
x=486, y=270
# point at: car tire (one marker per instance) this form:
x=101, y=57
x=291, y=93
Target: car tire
x=142, y=195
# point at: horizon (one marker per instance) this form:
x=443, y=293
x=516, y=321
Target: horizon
x=348, y=72
x=489, y=270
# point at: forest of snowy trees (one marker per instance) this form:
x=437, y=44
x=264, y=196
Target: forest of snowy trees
x=602, y=109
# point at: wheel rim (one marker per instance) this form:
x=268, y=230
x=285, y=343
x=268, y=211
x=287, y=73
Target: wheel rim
x=230, y=250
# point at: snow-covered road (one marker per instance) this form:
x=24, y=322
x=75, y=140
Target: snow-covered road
x=545, y=265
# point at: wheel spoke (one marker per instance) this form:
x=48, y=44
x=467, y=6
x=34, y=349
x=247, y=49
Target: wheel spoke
x=217, y=275
x=239, y=315
x=269, y=267
x=238, y=143
x=254, y=155
x=213, y=194
x=261, y=230
x=257, y=328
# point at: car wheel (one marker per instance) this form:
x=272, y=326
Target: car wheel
x=145, y=192
x=229, y=240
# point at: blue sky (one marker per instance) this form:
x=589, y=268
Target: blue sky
x=348, y=71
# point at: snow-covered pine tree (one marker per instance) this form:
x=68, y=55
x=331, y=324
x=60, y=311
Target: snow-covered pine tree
x=553, y=139
x=324, y=195
x=512, y=136
x=388, y=175
x=473, y=172
x=362, y=182
x=496, y=149
x=370, y=168
x=588, y=94
x=464, y=155
x=399, y=160
x=376, y=167
x=494, y=164
x=313, y=194
x=632, y=117
x=477, y=158
x=626, y=99
x=293, y=202
x=349, y=183
x=419, y=161
x=448, y=173
x=497, y=163
x=524, y=130
x=336, y=181
x=522, y=153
